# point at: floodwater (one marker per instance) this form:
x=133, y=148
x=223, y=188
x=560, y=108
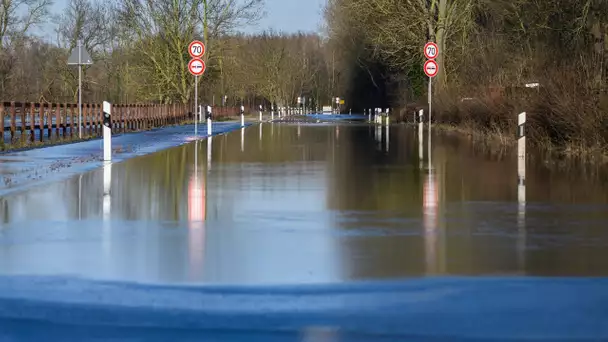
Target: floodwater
x=312, y=203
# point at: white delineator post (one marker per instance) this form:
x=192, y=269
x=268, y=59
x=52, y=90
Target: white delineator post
x=242, y=116
x=521, y=188
x=521, y=158
x=107, y=131
x=271, y=112
x=387, y=117
x=260, y=113
x=420, y=137
x=209, y=122
x=420, y=122
x=387, y=142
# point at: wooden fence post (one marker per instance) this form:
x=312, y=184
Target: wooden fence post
x=64, y=120
x=13, y=121
x=49, y=120
x=57, y=120
x=23, y=122
x=32, y=122
x=41, y=116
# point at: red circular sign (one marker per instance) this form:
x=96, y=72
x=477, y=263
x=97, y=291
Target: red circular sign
x=431, y=50
x=196, y=66
x=431, y=68
x=196, y=49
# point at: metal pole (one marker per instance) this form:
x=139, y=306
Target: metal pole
x=430, y=101
x=79, y=89
x=195, y=106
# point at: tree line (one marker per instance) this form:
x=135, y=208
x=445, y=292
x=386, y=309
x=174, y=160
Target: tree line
x=139, y=49
x=368, y=53
x=489, y=51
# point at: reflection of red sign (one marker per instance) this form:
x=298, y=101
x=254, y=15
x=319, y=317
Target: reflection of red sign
x=429, y=204
x=196, y=199
x=196, y=234
x=429, y=196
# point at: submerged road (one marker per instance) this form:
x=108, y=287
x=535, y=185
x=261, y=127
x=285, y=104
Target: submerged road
x=309, y=231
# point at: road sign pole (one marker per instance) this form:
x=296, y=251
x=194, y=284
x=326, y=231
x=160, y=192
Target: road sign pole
x=79, y=57
x=195, y=105
x=79, y=90
x=430, y=100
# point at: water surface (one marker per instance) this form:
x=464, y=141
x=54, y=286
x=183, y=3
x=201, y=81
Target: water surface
x=312, y=203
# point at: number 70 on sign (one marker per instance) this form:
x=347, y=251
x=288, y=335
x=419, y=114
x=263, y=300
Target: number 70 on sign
x=431, y=50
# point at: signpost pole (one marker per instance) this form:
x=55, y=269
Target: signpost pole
x=79, y=57
x=430, y=100
x=195, y=106
x=79, y=89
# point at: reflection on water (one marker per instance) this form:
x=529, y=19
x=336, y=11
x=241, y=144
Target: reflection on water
x=303, y=203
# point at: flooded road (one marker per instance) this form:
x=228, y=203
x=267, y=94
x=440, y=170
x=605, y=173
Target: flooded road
x=312, y=203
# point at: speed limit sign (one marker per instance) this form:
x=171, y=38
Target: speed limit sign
x=196, y=49
x=431, y=50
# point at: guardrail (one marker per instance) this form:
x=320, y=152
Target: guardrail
x=29, y=122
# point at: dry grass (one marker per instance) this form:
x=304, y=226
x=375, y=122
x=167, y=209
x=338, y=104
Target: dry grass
x=564, y=116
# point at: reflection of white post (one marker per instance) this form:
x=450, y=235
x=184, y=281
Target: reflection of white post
x=107, y=205
x=107, y=181
x=243, y=139
x=387, y=135
x=80, y=197
x=521, y=187
x=298, y=130
x=107, y=131
x=209, y=123
x=209, y=141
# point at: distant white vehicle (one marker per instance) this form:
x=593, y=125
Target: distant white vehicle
x=327, y=110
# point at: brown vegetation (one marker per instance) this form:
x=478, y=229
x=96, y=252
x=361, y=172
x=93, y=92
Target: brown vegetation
x=139, y=50
x=370, y=56
x=489, y=51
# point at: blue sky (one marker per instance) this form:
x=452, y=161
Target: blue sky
x=293, y=15
x=281, y=15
